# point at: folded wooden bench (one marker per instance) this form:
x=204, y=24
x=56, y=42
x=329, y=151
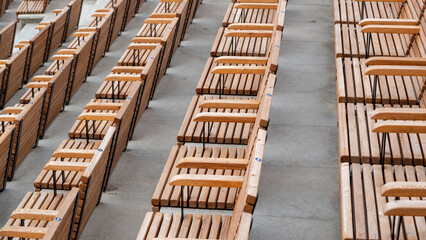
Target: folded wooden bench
x=117, y=24
x=32, y=7
x=235, y=75
x=366, y=206
x=6, y=145
x=81, y=48
x=244, y=39
x=172, y=9
x=119, y=85
x=56, y=86
x=14, y=72
x=27, y=120
x=100, y=114
x=255, y=12
x=7, y=37
x=42, y=216
x=73, y=16
x=159, y=30
x=57, y=30
x=101, y=25
x=358, y=142
x=356, y=82
x=81, y=164
x=230, y=120
x=37, y=55
x=197, y=226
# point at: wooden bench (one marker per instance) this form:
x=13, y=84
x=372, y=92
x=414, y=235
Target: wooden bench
x=255, y=12
x=27, y=120
x=131, y=9
x=218, y=79
x=229, y=120
x=81, y=48
x=357, y=142
x=172, y=9
x=159, y=30
x=73, y=16
x=167, y=195
x=32, y=7
x=388, y=36
x=81, y=164
x=100, y=114
x=7, y=37
x=6, y=144
x=353, y=85
x=363, y=205
x=101, y=25
x=56, y=86
x=119, y=85
x=349, y=11
x=14, y=72
x=42, y=216
x=197, y=226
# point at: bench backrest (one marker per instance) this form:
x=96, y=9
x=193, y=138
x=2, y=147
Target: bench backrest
x=27, y=130
x=103, y=24
x=38, y=50
x=6, y=138
x=119, y=7
x=74, y=15
x=241, y=220
x=16, y=73
x=57, y=32
x=7, y=37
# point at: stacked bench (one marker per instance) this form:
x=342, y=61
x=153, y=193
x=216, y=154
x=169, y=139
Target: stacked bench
x=380, y=84
x=32, y=7
x=48, y=94
x=80, y=168
x=217, y=161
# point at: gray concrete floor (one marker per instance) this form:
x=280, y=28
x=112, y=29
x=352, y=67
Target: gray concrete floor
x=299, y=188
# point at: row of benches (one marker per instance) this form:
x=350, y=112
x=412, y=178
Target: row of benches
x=231, y=106
x=31, y=54
x=380, y=79
x=82, y=164
x=48, y=94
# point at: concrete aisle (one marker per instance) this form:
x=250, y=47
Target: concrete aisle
x=298, y=196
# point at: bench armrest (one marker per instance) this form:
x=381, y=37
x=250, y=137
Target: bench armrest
x=207, y=180
x=226, y=117
x=74, y=153
x=390, y=21
x=239, y=70
x=66, y=166
x=23, y=232
x=394, y=29
x=37, y=85
x=127, y=69
x=399, y=114
x=13, y=110
x=251, y=26
x=405, y=208
x=396, y=70
x=97, y=116
x=139, y=46
x=241, y=60
x=159, y=20
x=404, y=189
x=229, y=104
x=34, y=214
x=256, y=6
x=400, y=127
x=410, y=61
x=248, y=33
x=103, y=106
x=122, y=77
x=213, y=163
